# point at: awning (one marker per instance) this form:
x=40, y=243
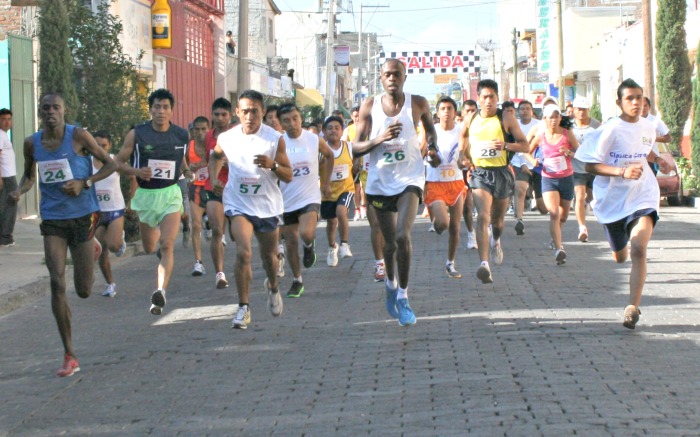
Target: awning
x=308, y=97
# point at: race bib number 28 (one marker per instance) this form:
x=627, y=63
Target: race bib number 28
x=485, y=150
x=55, y=171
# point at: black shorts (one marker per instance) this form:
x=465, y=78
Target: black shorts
x=565, y=186
x=198, y=195
x=583, y=179
x=329, y=207
x=267, y=224
x=74, y=231
x=107, y=217
x=292, y=218
x=210, y=196
x=389, y=203
x=499, y=181
x=537, y=184
x=618, y=233
x=520, y=175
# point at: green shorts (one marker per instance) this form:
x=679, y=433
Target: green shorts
x=152, y=205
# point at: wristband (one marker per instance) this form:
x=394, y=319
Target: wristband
x=622, y=172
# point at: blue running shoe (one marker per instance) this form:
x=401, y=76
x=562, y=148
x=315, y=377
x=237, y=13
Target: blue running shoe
x=406, y=316
x=391, y=301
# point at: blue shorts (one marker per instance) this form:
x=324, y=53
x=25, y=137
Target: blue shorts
x=565, y=186
x=107, y=217
x=267, y=224
x=329, y=207
x=618, y=233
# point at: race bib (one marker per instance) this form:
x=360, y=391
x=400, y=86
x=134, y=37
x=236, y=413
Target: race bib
x=365, y=163
x=52, y=172
x=340, y=172
x=162, y=169
x=556, y=164
x=485, y=150
x=105, y=195
x=393, y=153
x=249, y=185
x=447, y=173
x=302, y=168
x=202, y=174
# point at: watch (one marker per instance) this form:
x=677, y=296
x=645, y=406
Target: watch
x=274, y=166
x=87, y=183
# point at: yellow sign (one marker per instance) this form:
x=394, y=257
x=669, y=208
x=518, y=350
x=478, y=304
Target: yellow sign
x=444, y=78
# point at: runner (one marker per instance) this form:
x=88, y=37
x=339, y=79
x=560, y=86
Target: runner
x=625, y=192
x=486, y=140
x=583, y=181
x=558, y=145
x=469, y=109
x=8, y=181
x=68, y=207
x=663, y=133
x=334, y=208
x=523, y=168
x=257, y=158
x=110, y=228
x=156, y=149
x=221, y=113
x=396, y=175
x=444, y=187
x=196, y=162
x=302, y=198
x=272, y=121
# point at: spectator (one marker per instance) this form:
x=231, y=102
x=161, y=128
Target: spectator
x=230, y=44
x=8, y=181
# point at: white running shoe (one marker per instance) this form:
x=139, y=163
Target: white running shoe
x=583, y=234
x=560, y=256
x=345, y=250
x=122, y=248
x=471, y=240
x=111, y=290
x=223, y=240
x=496, y=251
x=274, y=300
x=198, y=269
x=242, y=318
x=332, y=259
x=221, y=281
x=280, y=264
x=356, y=216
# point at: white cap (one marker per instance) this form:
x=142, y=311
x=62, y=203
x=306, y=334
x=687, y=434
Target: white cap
x=549, y=101
x=548, y=110
x=581, y=102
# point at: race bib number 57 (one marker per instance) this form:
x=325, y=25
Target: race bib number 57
x=55, y=171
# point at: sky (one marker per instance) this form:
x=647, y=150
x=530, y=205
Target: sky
x=409, y=25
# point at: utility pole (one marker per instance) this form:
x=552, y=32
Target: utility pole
x=649, y=88
x=560, y=36
x=243, y=81
x=515, y=63
x=359, y=68
x=329, y=57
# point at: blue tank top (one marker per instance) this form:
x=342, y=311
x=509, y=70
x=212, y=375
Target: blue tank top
x=57, y=167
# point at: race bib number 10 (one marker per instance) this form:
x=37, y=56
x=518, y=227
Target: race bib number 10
x=52, y=172
x=162, y=169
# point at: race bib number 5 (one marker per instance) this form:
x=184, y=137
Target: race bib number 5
x=249, y=185
x=52, y=172
x=340, y=172
x=162, y=169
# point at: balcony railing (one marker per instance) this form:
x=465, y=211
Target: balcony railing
x=213, y=6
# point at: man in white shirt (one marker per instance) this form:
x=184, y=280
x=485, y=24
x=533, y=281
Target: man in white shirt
x=583, y=181
x=663, y=134
x=625, y=192
x=8, y=181
x=524, y=174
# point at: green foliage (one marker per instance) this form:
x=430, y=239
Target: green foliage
x=56, y=67
x=673, y=80
x=595, y=111
x=695, y=130
x=311, y=113
x=688, y=177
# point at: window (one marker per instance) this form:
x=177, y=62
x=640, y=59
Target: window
x=270, y=31
x=198, y=38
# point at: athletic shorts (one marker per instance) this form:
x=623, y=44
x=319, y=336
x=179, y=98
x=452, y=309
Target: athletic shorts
x=448, y=192
x=183, y=183
x=152, y=205
x=198, y=195
x=537, y=184
x=389, y=203
x=499, y=181
x=107, y=217
x=267, y=224
x=329, y=207
x=520, y=175
x=210, y=196
x=292, y=218
x=583, y=179
x=618, y=233
x=74, y=231
x=565, y=186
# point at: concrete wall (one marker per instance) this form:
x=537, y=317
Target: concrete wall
x=10, y=19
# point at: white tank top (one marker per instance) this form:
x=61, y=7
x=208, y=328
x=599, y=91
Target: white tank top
x=250, y=189
x=448, y=170
x=109, y=191
x=304, y=188
x=399, y=163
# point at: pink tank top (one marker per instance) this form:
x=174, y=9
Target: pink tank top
x=556, y=164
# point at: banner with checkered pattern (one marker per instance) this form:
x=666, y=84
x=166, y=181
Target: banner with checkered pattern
x=440, y=61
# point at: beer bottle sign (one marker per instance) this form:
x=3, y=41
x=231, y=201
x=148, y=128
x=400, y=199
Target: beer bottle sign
x=161, y=17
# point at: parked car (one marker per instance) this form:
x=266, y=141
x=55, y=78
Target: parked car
x=670, y=183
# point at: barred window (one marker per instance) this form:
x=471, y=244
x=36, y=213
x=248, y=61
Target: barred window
x=198, y=38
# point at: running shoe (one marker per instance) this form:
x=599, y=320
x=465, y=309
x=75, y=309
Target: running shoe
x=296, y=290
x=280, y=264
x=110, y=291
x=356, y=216
x=496, y=251
x=451, y=272
x=332, y=258
x=198, y=269
x=363, y=212
x=122, y=248
x=223, y=240
x=484, y=274
x=221, y=281
x=344, y=250
x=520, y=227
x=471, y=240
x=274, y=300
x=406, y=316
x=10, y=244
x=431, y=228
x=391, y=294
x=631, y=317
x=186, y=237
x=309, y=255
x=98, y=249
x=379, y=274
x=560, y=256
x=70, y=366
x=583, y=234
x=242, y=318
x=157, y=302
x=552, y=246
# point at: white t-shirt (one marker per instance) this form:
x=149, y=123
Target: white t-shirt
x=7, y=156
x=303, y=190
x=661, y=128
x=620, y=144
x=580, y=133
x=518, y=160
x=448, y=144
x=109, y=191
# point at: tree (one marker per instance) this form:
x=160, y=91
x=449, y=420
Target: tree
x=673, y=80
x=56, y=72
x=695, y=131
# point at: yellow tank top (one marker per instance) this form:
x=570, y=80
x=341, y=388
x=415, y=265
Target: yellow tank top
x=481, y=132
x=341, y=178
